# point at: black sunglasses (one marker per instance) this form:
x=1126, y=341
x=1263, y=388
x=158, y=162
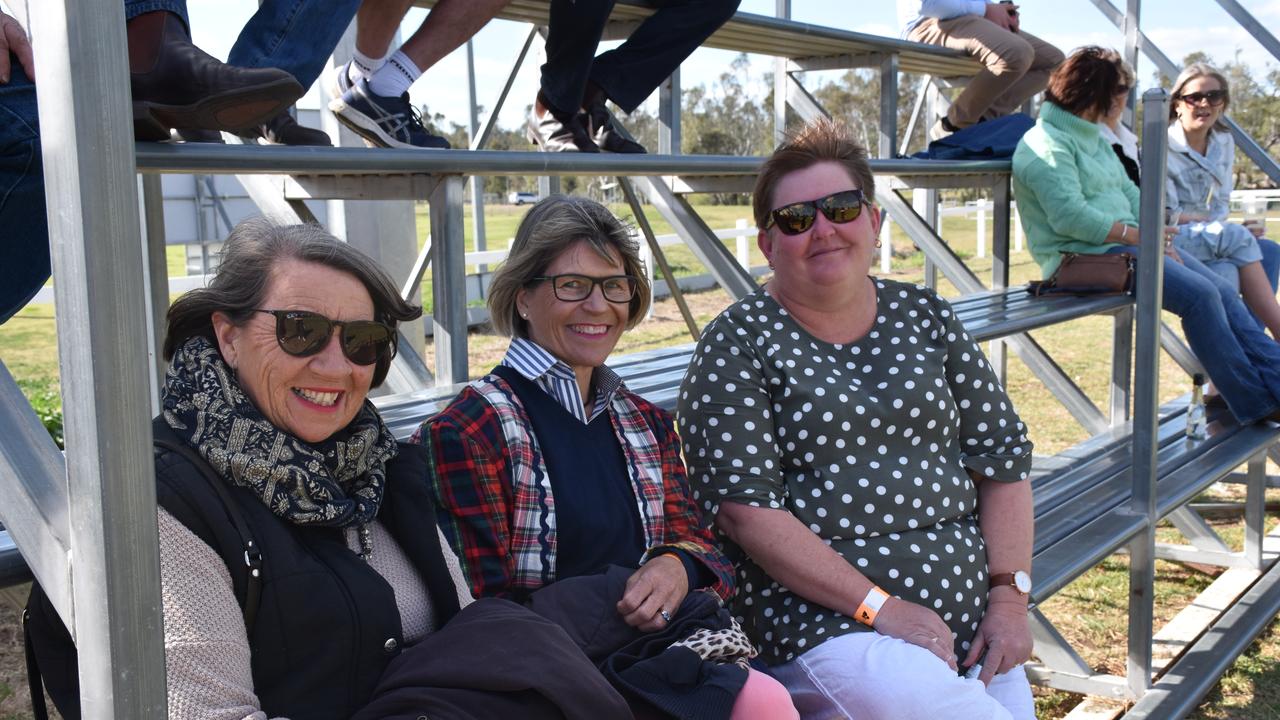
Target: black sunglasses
x=302, y=333
x=576, y=288
x=1214, y=97
x=842, y=207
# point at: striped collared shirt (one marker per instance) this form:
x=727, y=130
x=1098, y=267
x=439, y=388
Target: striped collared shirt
x=556, y=378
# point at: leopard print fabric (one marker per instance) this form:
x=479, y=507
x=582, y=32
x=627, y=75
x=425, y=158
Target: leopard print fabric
x=730, y=645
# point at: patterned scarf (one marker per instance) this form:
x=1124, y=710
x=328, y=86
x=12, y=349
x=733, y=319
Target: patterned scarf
x=337, y=482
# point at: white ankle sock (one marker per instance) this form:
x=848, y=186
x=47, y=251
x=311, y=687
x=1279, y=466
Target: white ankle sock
x=364, y=66
x=394, y=77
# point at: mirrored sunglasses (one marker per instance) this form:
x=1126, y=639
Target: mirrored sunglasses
x=302, y=334
x=1214, y=97
x=842, y=207
x=576, y=288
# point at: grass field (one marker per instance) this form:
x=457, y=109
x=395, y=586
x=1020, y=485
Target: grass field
x=1090, y=611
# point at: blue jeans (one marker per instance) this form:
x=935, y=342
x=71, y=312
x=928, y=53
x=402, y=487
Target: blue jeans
x=1242, y=361
x=296, y=36
x=24, y=229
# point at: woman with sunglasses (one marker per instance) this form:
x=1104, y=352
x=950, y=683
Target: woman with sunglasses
x=1074, y=196
x=549, y=468
x=845, y=432
x=1198, y=193
x=270, y=436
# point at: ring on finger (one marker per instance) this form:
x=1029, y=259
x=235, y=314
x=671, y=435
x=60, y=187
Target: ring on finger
x=666, y=616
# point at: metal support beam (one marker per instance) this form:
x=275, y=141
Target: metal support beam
x=448, y=282
x=1194, y=528
x=782, y=10
x=1053, y=649
x=669, y=107
x=476, y=181
x=1252, y=26
x=157, y=280
x=805, y=105
x=80, y=53
x=481, y=138
x=888, y=106
x=1146, y=391
x=997, y=352
x=1121, y=366
x=33, y=483
x=1255, y=509
x=701, y=239
x=659, y=258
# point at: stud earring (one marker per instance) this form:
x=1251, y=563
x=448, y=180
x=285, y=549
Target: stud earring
x=878, y=243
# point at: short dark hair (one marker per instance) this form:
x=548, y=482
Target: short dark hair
x=548, y=229
x=820, y=141
x=1087, y=80
x=248, y=258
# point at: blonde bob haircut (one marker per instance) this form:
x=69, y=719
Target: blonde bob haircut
x=549, y=228
x=1199, y=70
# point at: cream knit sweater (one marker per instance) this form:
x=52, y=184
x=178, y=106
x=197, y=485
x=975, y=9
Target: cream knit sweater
x=206, y=647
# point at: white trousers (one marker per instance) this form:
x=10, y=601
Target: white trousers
x=869, y=676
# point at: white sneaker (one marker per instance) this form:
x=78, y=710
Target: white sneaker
x=939, y=131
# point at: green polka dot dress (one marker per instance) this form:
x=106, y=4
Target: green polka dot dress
x=867, y=443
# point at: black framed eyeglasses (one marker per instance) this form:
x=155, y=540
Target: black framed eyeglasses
x=302, y=333
x=576, y=288
x=842, y=207
x=1213, y=97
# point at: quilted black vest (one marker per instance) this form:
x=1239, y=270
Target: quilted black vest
x=326, y=624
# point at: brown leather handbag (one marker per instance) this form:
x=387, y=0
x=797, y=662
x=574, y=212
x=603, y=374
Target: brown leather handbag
x=1081, y=274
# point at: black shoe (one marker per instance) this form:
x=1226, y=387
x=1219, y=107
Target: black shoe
x=556, y=131
x=195, y=135
x=283, y=129
x=188, y=88
x=605, y=131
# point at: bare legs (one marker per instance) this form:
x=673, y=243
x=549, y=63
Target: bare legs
x=1256, y=290
x=449, y=24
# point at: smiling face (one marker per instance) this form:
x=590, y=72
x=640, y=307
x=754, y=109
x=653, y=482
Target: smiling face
x=583, y=333
x=1201, y=116
x=311, y=397
x=827, y=254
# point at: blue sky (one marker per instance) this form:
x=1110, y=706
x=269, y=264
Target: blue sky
x=1177, y=26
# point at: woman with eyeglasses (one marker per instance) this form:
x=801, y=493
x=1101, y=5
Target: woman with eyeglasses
x=549, y=469
x=862, y=462
x=1074, y=196
x=298, y=550
x=1198, y=193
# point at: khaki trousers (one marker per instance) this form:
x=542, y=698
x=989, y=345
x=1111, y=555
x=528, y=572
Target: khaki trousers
x=1017, y=65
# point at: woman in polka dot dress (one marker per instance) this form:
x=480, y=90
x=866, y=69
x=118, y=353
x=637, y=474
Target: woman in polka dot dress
x=862, y=462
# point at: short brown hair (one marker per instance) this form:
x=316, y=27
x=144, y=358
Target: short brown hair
x=1199, y=70
x=247, y=261
x=820, y=141
x=548, y=229
x=1087, y=80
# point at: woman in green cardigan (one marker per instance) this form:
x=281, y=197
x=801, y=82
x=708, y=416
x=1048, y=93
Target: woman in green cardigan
x=1074, y=196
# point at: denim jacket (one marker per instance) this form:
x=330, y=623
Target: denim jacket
x=1192, y=177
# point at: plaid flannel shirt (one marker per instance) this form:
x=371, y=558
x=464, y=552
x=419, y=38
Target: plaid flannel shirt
x=495, y=501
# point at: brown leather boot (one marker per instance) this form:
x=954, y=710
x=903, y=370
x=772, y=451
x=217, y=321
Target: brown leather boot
x=176, y=84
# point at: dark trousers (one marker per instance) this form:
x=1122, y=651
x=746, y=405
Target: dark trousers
x=629, y=73
x=24, y=231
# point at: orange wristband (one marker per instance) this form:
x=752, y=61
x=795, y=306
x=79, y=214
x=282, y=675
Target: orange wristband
x=870, y=607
